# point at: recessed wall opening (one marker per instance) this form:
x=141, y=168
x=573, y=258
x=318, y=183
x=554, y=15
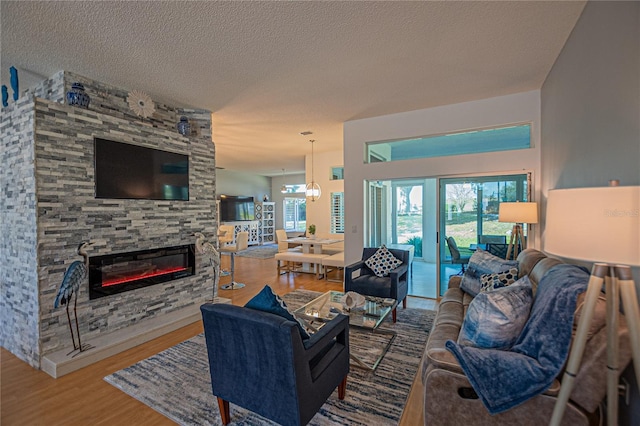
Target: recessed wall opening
x=116, y=273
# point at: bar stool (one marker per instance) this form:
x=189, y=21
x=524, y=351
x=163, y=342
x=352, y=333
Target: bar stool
x=242, y=242
x=225, y=236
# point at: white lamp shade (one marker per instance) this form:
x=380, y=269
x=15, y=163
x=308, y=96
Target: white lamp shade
x=594, y=224
x=518, y=212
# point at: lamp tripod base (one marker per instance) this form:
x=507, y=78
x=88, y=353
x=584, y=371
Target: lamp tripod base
x=619, y=285
x=517, y=240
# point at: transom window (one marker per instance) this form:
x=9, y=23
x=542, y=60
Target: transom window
x=294, y=189
x=468, y=142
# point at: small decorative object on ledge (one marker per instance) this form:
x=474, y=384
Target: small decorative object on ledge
x=77, y=96
x=141, y=103
x=184, y=128
x=312, y=231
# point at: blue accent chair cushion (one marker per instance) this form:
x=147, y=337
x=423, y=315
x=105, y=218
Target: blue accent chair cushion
x=268, y=301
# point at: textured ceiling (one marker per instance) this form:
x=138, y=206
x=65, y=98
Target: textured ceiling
x=269, y=70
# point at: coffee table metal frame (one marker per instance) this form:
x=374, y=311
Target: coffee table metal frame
x=327, y=306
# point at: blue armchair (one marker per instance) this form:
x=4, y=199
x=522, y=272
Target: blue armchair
x=393, y=286
x=259, y=361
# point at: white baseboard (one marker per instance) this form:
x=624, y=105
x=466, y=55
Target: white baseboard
x=59, y=363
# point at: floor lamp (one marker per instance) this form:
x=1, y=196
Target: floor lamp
x=599, y=225
x=517, y=213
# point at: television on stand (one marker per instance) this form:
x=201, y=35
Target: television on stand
x=235, y=208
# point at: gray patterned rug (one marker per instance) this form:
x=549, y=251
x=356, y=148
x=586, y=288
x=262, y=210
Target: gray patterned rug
x=176, y=382
x=266, y=251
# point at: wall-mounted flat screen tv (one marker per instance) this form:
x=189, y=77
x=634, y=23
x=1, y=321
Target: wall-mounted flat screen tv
x=130, y=171
x=236, y=207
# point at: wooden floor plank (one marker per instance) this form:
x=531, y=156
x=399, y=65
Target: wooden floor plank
x=31, y=397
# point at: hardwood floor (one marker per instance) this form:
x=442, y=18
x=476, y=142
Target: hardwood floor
x=31, y=397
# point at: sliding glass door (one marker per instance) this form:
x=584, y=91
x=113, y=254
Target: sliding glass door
x=423, y=213
x=399, y=217
x=469, y=217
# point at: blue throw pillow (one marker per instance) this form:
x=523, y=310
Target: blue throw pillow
x=495, y=319
x=483, y=262
x=268, y=301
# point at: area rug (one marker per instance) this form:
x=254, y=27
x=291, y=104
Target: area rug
x=176, y=382
x=266, y=251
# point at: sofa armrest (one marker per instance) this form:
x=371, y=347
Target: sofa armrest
x=454, y=281
x=435, y=354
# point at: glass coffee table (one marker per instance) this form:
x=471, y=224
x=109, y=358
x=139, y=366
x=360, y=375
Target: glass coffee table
x=369, y=317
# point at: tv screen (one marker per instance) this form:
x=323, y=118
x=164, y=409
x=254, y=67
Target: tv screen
x=130, y=171
x=234, y=208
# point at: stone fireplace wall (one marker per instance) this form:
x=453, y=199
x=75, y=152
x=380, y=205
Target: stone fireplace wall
x=48, y=207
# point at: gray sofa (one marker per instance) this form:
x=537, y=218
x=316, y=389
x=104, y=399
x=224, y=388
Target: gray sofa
x=449, y=398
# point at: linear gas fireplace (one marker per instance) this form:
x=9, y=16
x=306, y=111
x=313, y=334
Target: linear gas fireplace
x=116, y=273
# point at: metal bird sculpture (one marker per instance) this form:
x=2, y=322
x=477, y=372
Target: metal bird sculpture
x=208, y=250
x=73, y=277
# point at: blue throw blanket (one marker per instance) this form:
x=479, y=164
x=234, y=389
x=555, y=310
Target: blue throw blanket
x=503, y=379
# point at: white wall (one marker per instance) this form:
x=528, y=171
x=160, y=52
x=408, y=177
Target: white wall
x=319, y=211
x=517, y=108
x=591, y=117
x=239, y=183
x=591, y=104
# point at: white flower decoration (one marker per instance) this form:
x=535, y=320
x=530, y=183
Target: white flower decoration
x=141, y=103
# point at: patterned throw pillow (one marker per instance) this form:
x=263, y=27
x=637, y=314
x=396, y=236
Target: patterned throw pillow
x=498, y=280
x=383, y=262
x=495, y=319
x=483, y=262
x=268, y=301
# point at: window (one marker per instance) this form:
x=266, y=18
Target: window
x=295, y=189
x=467, y=142
x=337, y=173
x=295, y=214
x=337, y=212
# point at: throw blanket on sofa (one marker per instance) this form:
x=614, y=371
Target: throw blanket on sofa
x=503, y=379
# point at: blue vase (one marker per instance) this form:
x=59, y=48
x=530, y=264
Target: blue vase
x=184, y=128
x=77, y=96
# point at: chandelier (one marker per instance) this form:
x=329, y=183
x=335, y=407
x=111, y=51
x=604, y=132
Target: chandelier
x=312, y=190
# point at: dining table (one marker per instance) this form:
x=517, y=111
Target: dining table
x=312, y=245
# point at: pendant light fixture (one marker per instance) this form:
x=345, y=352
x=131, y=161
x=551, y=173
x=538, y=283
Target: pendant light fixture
x=312, y=189
x=283, y=188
